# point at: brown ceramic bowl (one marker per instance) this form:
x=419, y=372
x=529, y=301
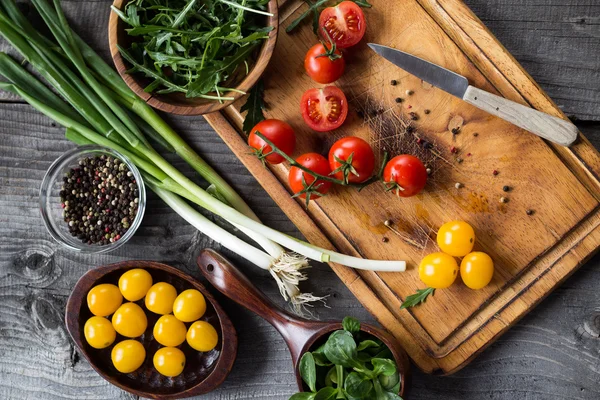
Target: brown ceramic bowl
x=203, y=372
x=177, y=103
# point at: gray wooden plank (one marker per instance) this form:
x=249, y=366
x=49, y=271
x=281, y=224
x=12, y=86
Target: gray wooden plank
x=557, y=42
x=553, y=352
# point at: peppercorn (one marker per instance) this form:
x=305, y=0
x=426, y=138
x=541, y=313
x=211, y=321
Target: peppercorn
x=385, y=239
x=426, y=111
x=453, y=150
x=88, y=212
x=399, y=100
x=393, y=82
x=413, y=116
x=495, y=172
x=529, y=212
x=503, y=199
x=459, y=160
x=409, y=92
x=458, y=185
x=505, y=188
x=476, y=134
x=455, y=131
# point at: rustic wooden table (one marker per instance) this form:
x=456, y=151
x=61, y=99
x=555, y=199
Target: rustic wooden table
x=554, y=352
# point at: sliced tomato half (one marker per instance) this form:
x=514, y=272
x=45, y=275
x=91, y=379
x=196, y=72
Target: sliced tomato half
x=324, y=109
x=345, y=24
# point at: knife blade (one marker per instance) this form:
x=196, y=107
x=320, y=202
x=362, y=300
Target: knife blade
x=544, y=125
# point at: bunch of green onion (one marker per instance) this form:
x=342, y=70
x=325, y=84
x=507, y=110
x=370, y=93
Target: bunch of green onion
x=96, y=106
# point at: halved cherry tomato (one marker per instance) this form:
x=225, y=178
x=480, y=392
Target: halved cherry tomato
x=324, y=109
x=345, y=23
x=405, y=174
x=324, y=63
x=317, y=163
x=456, y=238
x=279, y=133
x=351, y=159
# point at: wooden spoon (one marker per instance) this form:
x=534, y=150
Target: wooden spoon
x=300, y=334
x=203, y=371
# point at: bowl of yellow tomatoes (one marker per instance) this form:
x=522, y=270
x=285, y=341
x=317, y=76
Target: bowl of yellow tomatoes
x=151, y=330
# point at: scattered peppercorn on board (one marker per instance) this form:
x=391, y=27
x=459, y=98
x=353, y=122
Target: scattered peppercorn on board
x=534, y=205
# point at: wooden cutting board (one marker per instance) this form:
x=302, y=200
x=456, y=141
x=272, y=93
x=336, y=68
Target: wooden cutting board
x=532, y=253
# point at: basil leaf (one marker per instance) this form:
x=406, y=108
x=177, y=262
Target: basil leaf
x=327, y=393
x=303, y=396
x=351, y=325
x=366, y=344
x=320, y=358
x=308, y=370
x=383, y=366
x=340, y=349
x=389, y=382
x=357, y=386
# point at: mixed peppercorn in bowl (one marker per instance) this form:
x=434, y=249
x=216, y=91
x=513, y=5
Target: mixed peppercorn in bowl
x=92, y=199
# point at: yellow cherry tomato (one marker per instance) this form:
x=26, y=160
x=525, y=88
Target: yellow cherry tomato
x=99, y=332
x=130, y=320
x=128, y=355
x=169, y=361
x=169, y=331
x=104, y=299
x=476, y=270
x=438, y=270
x=160, y=298
x=202, y=336
x=456, y=238
x=135, y=283
x=189, y=306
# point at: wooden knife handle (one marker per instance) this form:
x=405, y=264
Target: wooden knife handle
x=544, y=125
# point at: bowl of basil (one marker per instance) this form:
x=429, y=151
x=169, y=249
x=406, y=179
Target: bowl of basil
x=192, y=57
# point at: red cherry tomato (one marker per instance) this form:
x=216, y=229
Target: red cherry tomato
x=405, y=174
x=324, y=65
x=316, y=163
x=345, y=24
x=324, y=109
x=279, y=133
x=352, y=159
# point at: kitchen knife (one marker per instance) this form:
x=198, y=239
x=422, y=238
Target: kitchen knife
x=544, y=125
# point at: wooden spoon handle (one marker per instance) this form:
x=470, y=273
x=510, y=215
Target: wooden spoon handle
x=235, y=285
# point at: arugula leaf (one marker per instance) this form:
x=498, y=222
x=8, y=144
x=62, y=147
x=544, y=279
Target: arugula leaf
x=308, y=370
x=190, y=46
x=254, y=105
x=419, y=297
x=315, y=9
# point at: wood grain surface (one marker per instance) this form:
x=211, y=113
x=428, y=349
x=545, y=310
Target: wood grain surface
x=552, y=353
x=472, y=155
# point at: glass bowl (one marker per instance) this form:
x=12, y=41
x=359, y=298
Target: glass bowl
x=50, y=204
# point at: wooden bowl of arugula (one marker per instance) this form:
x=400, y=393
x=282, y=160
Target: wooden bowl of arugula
x=192, y=57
